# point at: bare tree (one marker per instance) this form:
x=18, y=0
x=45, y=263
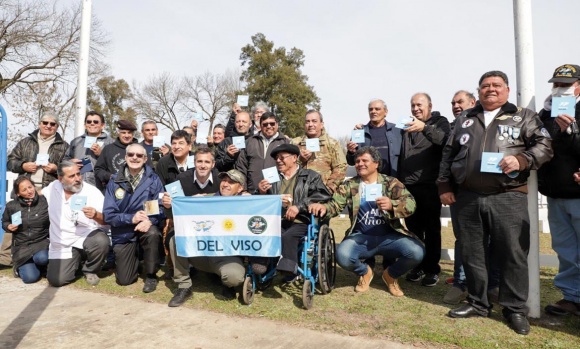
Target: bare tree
x=212, y=94
x=38, y=99
x=39, y=43
x=161, y=99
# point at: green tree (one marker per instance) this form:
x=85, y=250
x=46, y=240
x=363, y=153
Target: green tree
x=273, y=75
x=108, y=97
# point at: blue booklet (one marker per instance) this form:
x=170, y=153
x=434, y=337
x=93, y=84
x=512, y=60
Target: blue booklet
x=373, y=191
x=490, y=162
x=158, y=141
x=358, y=136
x=174, y=189
x=77, y=202
x=313, y=144
x=87, y=165
x=243, y=100
x=403, y=121
x=190, y=161
x=239, y=142
x=271, y=175
x=563, y=105
x=42, y=159
x=16, y=218
x=89, y=141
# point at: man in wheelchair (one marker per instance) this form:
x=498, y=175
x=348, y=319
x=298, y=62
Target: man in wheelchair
x=377, y=203
x=299, y=188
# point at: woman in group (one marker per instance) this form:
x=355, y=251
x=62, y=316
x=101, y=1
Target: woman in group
x=30, y=236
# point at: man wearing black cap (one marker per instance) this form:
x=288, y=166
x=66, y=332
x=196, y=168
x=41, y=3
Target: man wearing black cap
x=556, y=181
x=299, y=188
x=112, y=156
x=230, y=269
x=256, y=156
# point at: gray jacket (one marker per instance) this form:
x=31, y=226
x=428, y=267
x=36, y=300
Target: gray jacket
x=77, y=150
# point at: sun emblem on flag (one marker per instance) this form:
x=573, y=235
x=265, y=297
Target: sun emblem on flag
x=228, y=225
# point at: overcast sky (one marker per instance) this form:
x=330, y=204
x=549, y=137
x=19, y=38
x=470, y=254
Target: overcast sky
x=355, y=50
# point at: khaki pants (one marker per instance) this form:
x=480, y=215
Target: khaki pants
x=5, y=250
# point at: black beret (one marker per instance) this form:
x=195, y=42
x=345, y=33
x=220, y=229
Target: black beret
x=286, y=148
x=126, y=125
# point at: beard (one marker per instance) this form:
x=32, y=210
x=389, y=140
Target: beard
x=73, y=188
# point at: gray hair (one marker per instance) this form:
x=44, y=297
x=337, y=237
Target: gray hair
x=312, y=111
x=378, y=100
x=421, y=94
x=467, y=94
x=261, y=105
x=148, y=122
x=50, y=115
x=133, y=145
x=62, y=165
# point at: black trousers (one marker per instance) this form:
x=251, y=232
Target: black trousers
x=503, y=219
x=292, y=233
x=426, y=224
x=127, y=256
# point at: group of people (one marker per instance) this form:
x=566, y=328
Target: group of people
x=404, y=173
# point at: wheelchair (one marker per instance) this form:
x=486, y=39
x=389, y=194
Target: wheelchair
x=316, y=264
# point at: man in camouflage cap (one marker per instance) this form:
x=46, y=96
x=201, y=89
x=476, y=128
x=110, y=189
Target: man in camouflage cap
x=376, y=202
x=329, y=161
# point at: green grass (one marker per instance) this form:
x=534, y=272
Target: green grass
x=419, y=318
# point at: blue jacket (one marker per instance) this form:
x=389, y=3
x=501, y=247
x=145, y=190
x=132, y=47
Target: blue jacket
x=121, y=203
x=395, y=137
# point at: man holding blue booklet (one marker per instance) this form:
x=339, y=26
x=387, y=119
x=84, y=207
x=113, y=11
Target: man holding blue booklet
x=490, y=204
x=556, y=180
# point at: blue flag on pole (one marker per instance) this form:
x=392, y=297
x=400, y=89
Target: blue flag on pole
x=228, y=225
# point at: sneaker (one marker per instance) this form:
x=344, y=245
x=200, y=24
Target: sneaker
x=180, y=296
x=364, y=281
x=430, y=280
x=92, y=279
x=392, y=284
x=415, y=275
x=563, y=307
x=150, y=285
x=454, y=296
x=449, y=281
x=229, y=293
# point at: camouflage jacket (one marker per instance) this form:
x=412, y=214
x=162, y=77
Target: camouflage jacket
x=348, y=194
x=329, y=162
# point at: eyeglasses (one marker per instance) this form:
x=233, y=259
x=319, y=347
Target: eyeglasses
x=52, y=124
x=377, y=109
x=96, y=122
x=282, y=158
x=138, y=155
x=266, y=124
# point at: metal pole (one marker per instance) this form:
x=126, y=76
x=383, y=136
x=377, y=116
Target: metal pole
x=526, y=98
x=3, y=161
x=83, y=67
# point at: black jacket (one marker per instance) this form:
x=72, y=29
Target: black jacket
x=32, y=234
x=309, y=189
x=253, y=160
x=461, y=161
x=26, y=151
x=223, y=161
x=167, y=169
x=421, y=152
x=555, y=179
x=110, y=162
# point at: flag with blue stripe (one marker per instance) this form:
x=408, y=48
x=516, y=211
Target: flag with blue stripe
x=227, y=225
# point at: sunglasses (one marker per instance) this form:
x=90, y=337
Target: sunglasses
x=138, y=155
x=52, y=124
x=96, y=122
x=282, y=157
x=266, y=124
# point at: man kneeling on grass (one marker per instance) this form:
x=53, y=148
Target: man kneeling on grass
x=376, y=202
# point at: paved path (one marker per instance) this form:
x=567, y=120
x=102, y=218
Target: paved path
x=40, y=316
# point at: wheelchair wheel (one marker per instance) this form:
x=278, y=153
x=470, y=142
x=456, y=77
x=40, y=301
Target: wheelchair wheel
x=248, y=291
x=307, y=294
x=326, y=259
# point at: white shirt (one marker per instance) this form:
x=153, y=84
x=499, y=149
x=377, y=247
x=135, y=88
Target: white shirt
x=489, y=116
x=203, y=185
x=64, y=234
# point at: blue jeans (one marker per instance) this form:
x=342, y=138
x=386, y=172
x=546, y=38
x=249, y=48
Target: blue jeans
x=564, y=219
x=408, y=251
x=29, y=272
